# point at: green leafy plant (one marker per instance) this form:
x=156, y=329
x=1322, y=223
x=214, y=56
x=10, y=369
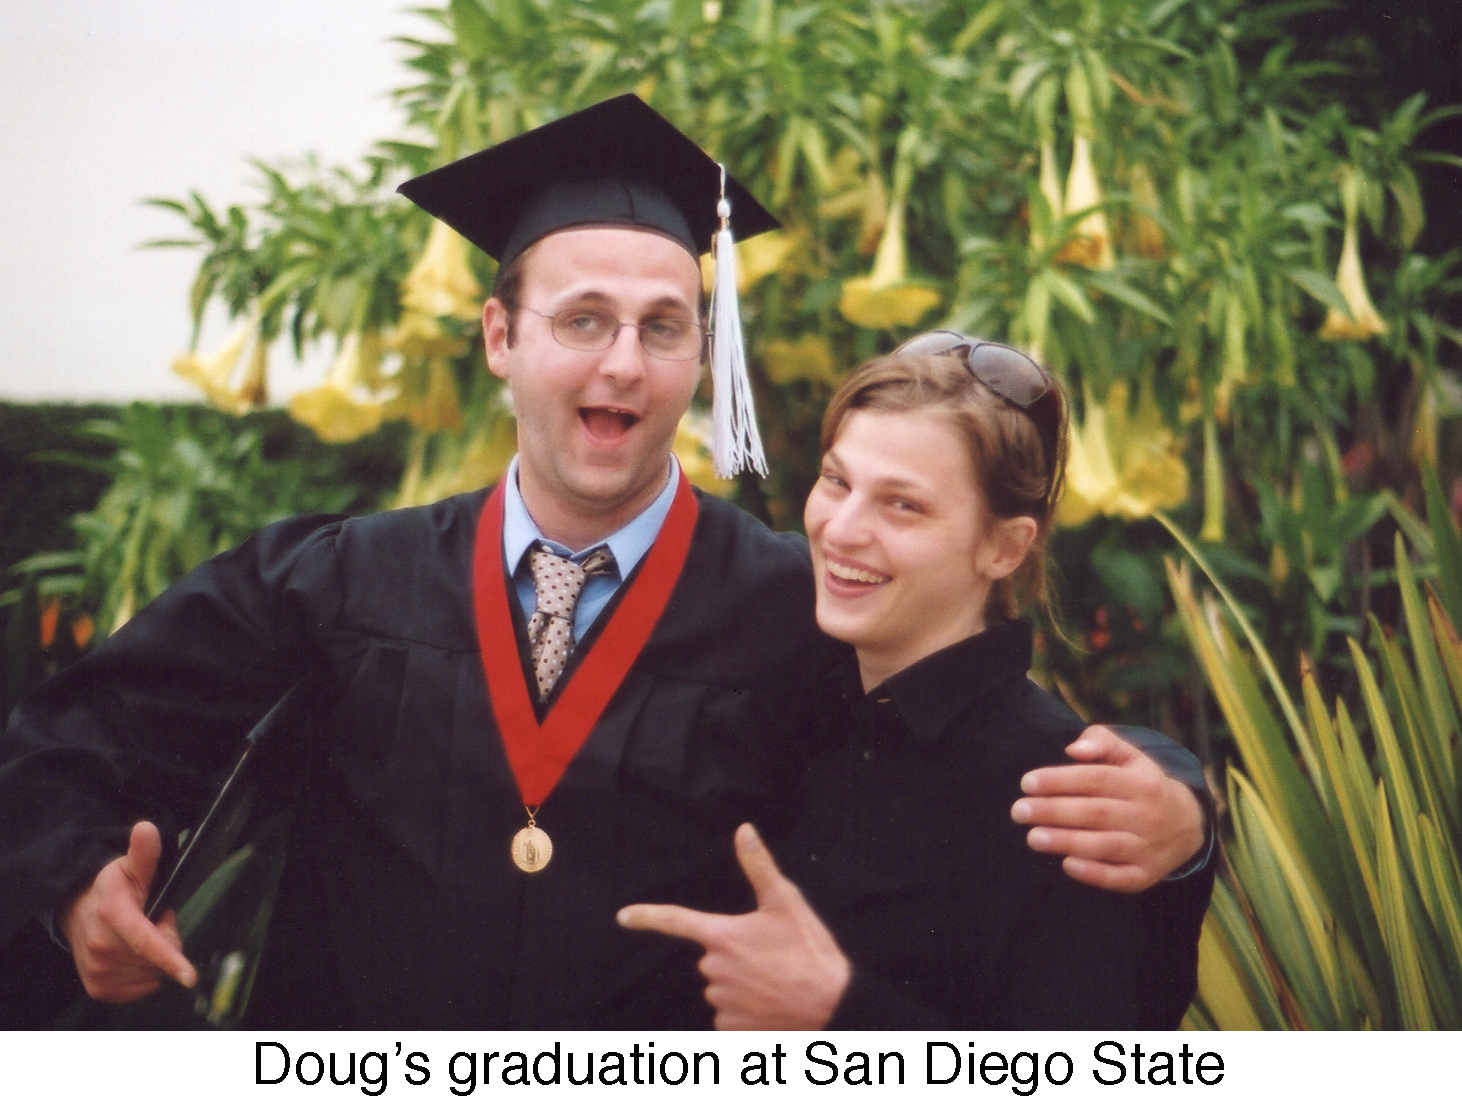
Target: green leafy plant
x=184, y=486
x=1154, y=196
x=1340, y=901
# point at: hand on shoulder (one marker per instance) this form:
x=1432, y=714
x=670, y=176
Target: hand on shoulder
x=1117, y=819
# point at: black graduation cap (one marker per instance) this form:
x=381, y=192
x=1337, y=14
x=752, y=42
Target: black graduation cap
x=616, y=163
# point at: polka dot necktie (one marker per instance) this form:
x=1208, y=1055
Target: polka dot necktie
x=558, y=583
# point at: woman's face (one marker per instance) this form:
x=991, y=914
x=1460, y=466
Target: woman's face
x=902, y=548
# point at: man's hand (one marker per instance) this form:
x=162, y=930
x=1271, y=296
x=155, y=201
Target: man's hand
x=775, y=968
x=120, y=954
x=1121, y=822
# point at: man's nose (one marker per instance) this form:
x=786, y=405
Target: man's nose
x=625, y=357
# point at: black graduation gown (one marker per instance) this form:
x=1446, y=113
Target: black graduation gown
x=908, y=852
x=400, y=906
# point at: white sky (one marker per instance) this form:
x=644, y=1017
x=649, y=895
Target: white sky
x=106, y=102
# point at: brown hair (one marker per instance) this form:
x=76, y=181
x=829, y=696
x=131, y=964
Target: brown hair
x=505, y=287
x=1018, y=454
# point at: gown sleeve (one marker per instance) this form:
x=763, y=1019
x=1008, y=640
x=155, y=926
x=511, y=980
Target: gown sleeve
x=139, y=728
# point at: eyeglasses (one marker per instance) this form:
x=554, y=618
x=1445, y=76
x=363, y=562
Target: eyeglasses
x=590, y=331
x=1002, y=369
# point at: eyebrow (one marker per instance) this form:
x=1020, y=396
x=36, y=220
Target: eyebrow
x=656, y=307
x=891, y=482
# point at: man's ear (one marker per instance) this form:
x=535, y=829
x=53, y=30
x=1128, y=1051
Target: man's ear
x=1006, y=547
x=495, y=335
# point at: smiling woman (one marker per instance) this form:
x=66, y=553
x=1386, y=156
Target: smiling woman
x=939, y=482
x=941, y=470
x=920, y=905
x=895, y=501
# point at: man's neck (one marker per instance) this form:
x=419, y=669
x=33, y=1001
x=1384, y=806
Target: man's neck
x=577, y=526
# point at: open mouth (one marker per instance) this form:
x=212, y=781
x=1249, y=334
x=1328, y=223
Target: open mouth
x=845, y=573
x=607, y=423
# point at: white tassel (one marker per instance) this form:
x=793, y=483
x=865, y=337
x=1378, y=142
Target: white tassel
x=735, y=440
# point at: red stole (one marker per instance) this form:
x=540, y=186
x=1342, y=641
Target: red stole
x=539, y=753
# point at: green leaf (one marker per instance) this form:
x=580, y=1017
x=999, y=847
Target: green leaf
x=1397, y=916
x=1068, y=295
x=1407, y=192
x=1435, y=722
x=1321, y=286
x=1109, y=284
x=1447, y=542
x=472, y=26
x=1260, y=741
x=1163, y=11
x=1346, y=785
x=1293, y=917
x=980, y=23
x=1236, y=988
x=1024, y=79
x=1309, y=214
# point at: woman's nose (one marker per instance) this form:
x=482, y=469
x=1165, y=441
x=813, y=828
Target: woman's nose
x=848, y=524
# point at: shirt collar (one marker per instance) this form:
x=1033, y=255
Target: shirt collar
x=628, y=545
x=931, y=693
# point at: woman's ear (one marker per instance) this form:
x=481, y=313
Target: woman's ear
x=1006, y=546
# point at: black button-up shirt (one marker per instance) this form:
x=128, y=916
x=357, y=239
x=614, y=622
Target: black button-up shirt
x=909, y=854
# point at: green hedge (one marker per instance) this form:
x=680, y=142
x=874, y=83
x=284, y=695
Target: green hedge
x=45, y=481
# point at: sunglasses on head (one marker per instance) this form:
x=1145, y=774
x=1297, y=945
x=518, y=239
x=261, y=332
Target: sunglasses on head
x=1002, y=369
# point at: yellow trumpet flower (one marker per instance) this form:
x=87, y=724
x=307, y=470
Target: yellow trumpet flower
x=1363, y=321
x=1121, y=463
x=1147, y=234
x=338, y=410
x=1091, y=244
x=886, y=298
x=436, y=406
x=865, y=303
x=441, y=282
x=254, y=391
x=1050, y=183
x=808, y=358
x=214, y=373
x=755, y=260
x=417, y=336
x=334, y=416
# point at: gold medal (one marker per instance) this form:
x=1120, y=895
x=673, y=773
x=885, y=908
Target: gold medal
x=531, y=848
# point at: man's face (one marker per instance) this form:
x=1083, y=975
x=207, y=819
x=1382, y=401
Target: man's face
x=595, y=428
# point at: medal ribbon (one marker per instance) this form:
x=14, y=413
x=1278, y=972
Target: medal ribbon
x=539, y=753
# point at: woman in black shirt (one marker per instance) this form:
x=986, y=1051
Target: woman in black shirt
x=941, y=471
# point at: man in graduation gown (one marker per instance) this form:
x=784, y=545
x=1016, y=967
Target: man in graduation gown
x=467, y=819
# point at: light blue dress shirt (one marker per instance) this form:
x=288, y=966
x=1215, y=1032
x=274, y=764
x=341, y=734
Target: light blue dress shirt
x=628, y=545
